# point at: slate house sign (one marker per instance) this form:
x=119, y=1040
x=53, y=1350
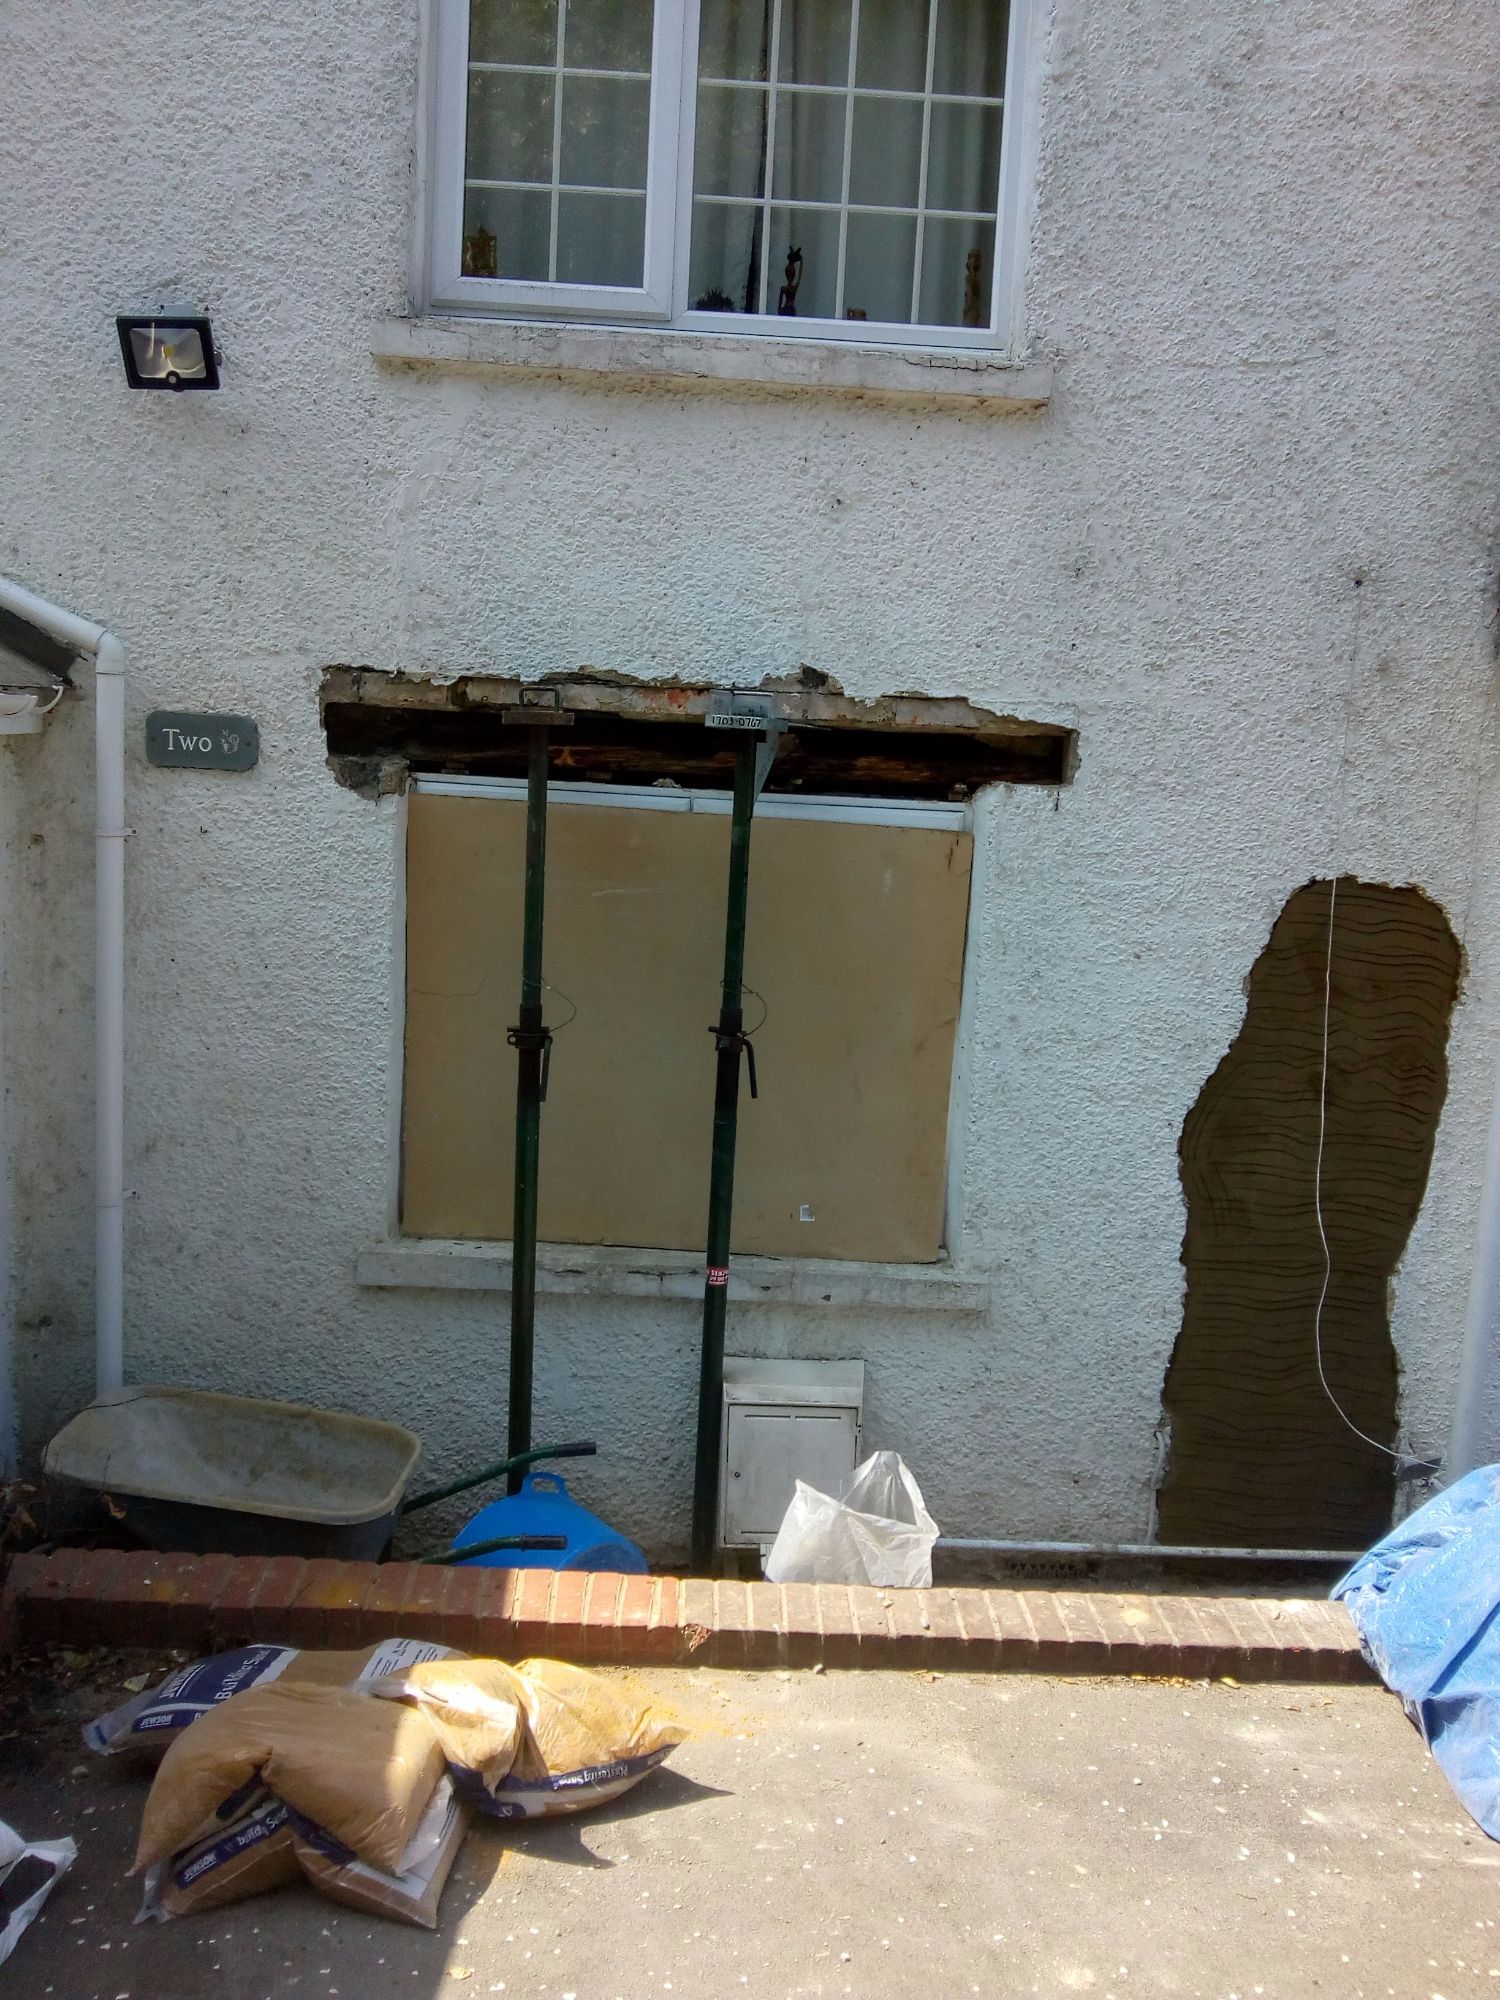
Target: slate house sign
x=184, y=739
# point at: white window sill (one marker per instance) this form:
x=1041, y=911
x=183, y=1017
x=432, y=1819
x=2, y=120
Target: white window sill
x=940, y=374
x=604, y=1271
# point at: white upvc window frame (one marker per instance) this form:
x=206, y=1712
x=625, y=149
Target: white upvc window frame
x=663, y=298
x=448, y=286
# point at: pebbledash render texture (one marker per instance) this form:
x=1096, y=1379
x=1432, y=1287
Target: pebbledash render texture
x=1242, y=544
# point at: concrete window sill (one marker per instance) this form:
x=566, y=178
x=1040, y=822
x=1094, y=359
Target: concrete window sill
x=594, y=1271
x=705, y=360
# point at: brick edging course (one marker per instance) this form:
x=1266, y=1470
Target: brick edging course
x=81, y=1597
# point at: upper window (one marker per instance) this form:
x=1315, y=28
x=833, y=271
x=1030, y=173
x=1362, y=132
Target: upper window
x=828, y=167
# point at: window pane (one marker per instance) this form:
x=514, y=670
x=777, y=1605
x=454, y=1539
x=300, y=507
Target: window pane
x=601, y=239
x=958, y=268
x=731, y=141
x=815, y=41
x=809, y=146
x=608, y=34
x=963, y=156
x=605, y=124
x=807, y=240
x=906, y=152
x=506, y=232
x=892, y=45
x=724, y=275
x=885, y=162
x=510, y=127
x=513, y=31
x=734, y=38
x=879, y=261
x=971, y=36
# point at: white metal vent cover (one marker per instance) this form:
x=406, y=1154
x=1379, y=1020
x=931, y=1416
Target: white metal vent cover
x=783, y=1421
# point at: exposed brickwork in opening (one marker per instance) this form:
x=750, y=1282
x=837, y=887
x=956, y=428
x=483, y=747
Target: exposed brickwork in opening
x=382, y=726
x=1258, y=1454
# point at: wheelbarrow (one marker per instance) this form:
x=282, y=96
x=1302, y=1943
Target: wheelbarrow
x=205, y=1473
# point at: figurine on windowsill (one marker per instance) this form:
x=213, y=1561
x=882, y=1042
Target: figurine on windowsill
x=974, y=314
x=481, y=259
x=786, y=304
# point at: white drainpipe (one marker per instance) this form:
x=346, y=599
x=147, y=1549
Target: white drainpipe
x=108, y=655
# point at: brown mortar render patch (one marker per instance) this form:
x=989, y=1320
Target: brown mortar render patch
x=1258, y=1455
x=379, y=725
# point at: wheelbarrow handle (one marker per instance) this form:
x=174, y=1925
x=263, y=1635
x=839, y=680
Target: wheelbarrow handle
x=490, y=1548
x=498, y=1471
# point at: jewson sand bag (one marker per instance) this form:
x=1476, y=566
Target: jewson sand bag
x=149, y=1722
x=541, y=1737
x=268, y=1846
x=250, y=1854
x=363, y=1770
x=412, y=1892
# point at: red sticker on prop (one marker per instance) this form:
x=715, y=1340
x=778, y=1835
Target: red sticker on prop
x=718, y=1274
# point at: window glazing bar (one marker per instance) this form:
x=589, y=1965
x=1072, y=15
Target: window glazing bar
x=773, y=72
x=557, y=132
x=540, y=187
x=829, y=90
x=549, y=69
x=916, y=268
x=838, y=290
x=826, y=207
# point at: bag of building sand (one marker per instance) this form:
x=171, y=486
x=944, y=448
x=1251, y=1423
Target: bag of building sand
x=149, y=1722
x=411, y=1893
x=268, y=1846
x=364, y=1771
x=541, y=1737
x=250, y=1854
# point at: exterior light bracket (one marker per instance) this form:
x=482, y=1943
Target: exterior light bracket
x=168, y=351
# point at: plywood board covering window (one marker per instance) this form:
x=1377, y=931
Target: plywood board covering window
x=855, y=953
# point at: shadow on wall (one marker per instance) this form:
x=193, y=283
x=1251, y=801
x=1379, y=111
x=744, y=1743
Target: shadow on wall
x=1258, y=1455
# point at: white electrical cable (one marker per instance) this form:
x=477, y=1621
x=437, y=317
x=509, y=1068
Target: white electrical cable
x=1333, y=891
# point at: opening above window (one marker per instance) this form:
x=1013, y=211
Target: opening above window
x=827, y=167
x=383, y=728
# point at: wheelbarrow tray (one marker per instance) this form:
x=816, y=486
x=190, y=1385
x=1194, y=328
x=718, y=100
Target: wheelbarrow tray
x=201, y=1472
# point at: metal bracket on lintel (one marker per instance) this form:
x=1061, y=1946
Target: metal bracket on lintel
x=539, y=708
x=728, y=708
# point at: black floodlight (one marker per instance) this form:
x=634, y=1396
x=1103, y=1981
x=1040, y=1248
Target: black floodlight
x=168, y=353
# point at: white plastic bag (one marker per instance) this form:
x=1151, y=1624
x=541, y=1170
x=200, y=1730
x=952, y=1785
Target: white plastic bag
x=29, y=1871
x=875, y=1529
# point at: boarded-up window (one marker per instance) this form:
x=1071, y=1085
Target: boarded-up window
x=854, y=954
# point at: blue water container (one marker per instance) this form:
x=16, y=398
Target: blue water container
x=542, y=1507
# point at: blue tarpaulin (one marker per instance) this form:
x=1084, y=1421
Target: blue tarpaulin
x=1426, y=1603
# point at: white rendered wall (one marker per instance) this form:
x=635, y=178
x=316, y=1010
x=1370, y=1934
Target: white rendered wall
x=1263, y=262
